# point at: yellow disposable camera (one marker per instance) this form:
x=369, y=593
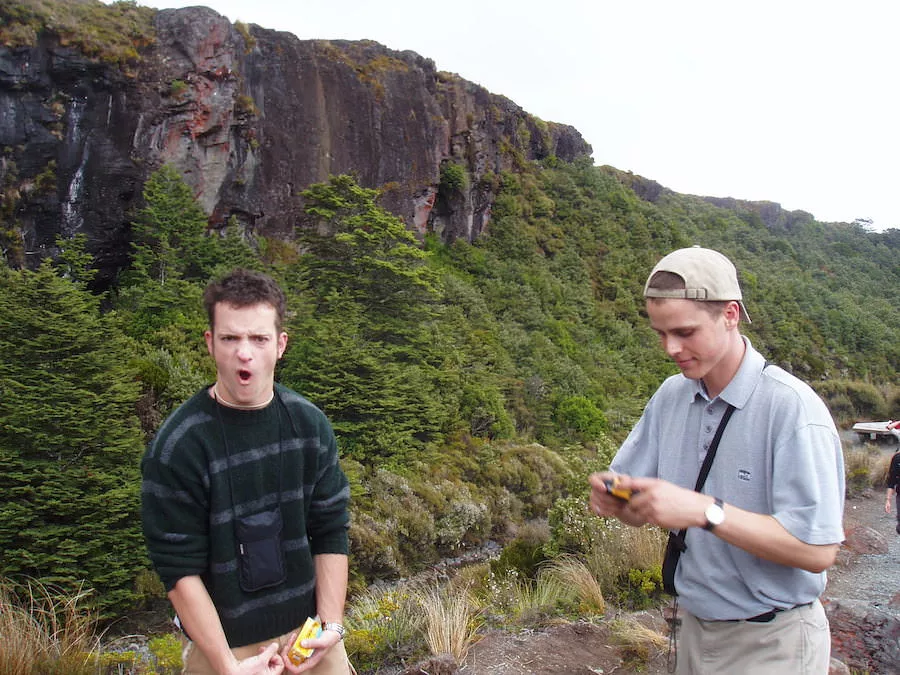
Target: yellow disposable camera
x=312, y=628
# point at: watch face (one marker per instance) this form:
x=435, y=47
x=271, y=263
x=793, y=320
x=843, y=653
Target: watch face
x=715, y=515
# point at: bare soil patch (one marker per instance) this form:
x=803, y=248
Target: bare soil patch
x=575, y=648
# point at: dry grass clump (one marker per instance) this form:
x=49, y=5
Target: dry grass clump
x=574, y=574
x=880, y=469
x=865, y=467
x=452, y=619
x=637, y=642
x=45, y=629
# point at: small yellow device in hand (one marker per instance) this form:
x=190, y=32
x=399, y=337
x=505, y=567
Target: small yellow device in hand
x=312, y=628
x=612, y=487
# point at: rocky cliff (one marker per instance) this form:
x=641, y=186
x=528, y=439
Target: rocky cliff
x=250, y=117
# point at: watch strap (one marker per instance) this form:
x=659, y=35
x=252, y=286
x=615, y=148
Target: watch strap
x=710, y=524
x=336, y=627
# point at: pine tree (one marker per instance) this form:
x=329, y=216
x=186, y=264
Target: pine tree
x=363, y=351
x=69, y=441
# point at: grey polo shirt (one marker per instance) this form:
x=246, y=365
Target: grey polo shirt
x=780, y=455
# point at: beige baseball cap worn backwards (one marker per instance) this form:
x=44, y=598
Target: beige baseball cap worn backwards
x=708, y=276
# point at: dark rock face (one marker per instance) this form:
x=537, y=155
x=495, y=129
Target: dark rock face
x=250, y=117
x=865, y=638
x=769, y=213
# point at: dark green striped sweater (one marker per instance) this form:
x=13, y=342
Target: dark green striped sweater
x=189, y=515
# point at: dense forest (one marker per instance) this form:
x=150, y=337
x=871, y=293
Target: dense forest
x=471, y=386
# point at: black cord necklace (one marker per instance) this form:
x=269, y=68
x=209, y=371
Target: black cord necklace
x=219, y=406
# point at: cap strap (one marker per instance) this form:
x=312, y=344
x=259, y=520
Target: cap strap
x=681, y=293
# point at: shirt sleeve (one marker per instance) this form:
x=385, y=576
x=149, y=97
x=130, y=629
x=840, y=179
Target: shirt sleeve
x=808, y=484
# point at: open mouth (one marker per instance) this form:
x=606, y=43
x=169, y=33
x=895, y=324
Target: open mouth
x=244, y=375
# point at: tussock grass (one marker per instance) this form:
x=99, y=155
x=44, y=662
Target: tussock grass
x=637, y=642
x=861, y=467
x=574, y=574
x=628, y=632
x=879, y=472
x=452, y=619
x=46, y=629
x=534, y=600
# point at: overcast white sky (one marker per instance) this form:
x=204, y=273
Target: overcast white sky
x=791, y=101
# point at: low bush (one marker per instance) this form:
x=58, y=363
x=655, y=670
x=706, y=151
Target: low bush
x=852, y=400
x=383, y=626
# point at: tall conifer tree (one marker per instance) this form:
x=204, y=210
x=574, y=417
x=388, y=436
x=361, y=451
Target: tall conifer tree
x=69, y=440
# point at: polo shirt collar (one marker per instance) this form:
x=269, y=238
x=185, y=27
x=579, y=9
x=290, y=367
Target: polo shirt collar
x=738, y=391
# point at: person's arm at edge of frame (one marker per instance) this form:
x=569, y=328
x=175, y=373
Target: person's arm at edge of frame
x=198, y=615
x=332, y=570
x=893, y=483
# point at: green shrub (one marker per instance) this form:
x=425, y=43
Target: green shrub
x=641, y=588
x=454, y=178
x=166, y=651
x=373, y=547
x=524, y=554
x=581, y=416
x=111, y=33
x=384, y=626
x=866, y=401
x=573, y=528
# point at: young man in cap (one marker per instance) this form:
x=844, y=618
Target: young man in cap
x=768, y=521
x=244, y=503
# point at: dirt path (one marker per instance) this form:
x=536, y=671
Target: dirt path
x=873, y=578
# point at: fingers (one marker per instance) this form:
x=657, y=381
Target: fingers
x=269, y=649
x=611, y=496
x=319, y=645
x=328, y=638
x=268, y=661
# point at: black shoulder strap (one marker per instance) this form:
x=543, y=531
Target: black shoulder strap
x=704, y=470
x=711, y=453
x=708, y=460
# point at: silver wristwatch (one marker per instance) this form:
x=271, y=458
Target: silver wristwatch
x=336, y=627
x=715, y=514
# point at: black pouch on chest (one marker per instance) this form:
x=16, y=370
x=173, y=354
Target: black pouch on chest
x=260, y=550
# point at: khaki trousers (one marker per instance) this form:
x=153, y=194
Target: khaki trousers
x=335, y=661
x=795, y=642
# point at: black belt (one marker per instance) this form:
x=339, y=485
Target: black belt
x=766, y=617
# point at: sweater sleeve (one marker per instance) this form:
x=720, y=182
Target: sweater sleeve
x=329, y=517
x=174, y=513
